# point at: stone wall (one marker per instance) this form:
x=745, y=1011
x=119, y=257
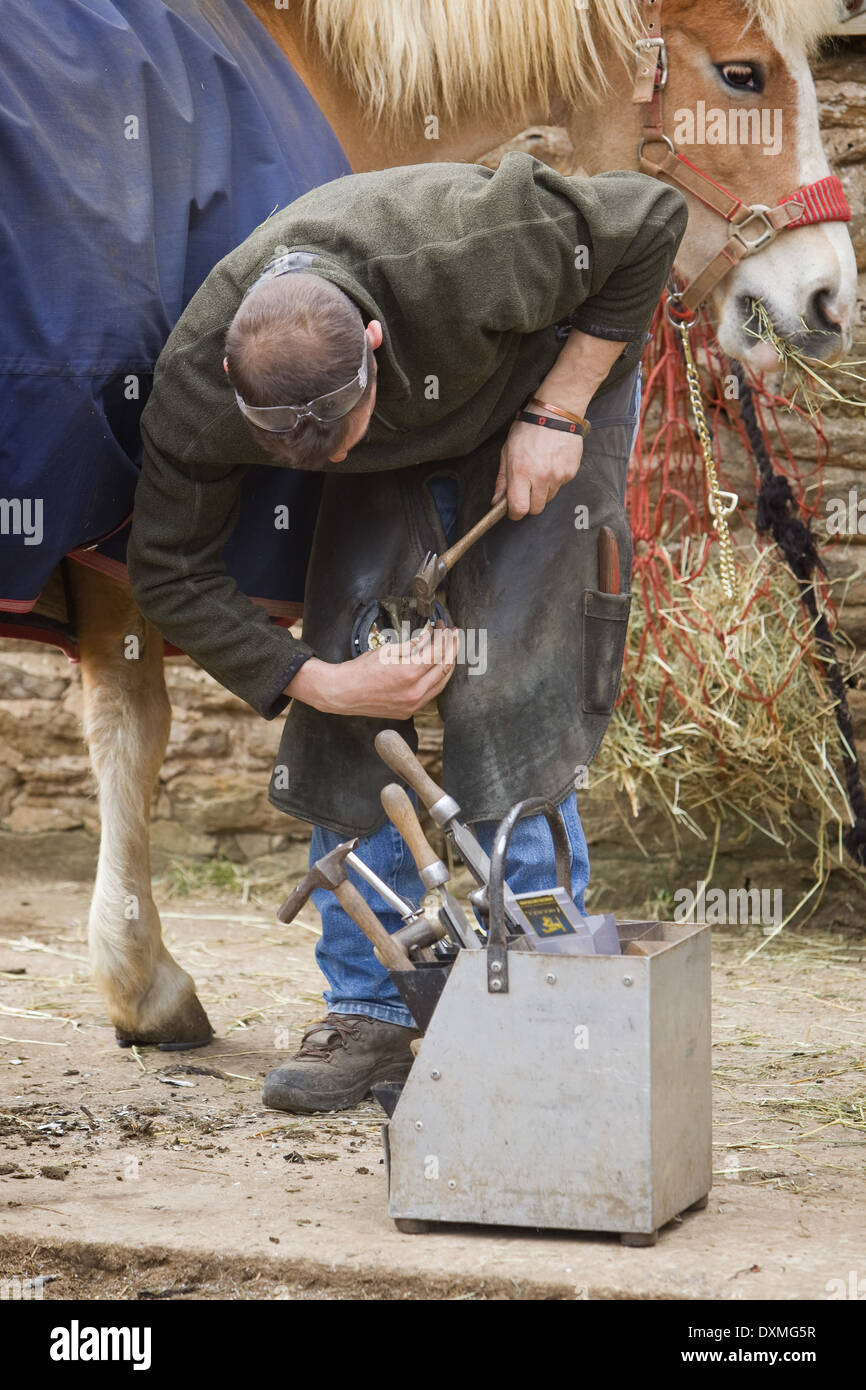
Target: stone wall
x=212, y=792
x=211, y=799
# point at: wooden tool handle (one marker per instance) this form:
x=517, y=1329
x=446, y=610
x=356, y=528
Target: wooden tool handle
x=396, y=754
x=401, y=813
x=390, y=952
x=296, y=899
x=480, y=528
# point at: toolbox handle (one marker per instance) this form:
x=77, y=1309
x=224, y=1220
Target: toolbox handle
x=497, y=941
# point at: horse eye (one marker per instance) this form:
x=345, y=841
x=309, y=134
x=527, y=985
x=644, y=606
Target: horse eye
x=743, y=77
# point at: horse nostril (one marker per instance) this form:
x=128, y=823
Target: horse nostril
x=820, y=315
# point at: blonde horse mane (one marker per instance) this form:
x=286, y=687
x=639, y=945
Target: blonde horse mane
x=402, y=57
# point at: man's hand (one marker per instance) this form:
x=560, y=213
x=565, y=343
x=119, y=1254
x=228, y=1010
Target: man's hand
x=536, y=461
x=534, y=464
x=392, y=682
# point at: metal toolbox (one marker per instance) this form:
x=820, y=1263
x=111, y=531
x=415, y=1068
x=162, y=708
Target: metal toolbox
x=578, y=1098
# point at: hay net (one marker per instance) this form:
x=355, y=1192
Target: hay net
x=723, y=714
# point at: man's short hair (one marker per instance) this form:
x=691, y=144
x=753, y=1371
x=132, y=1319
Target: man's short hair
x=294, y=338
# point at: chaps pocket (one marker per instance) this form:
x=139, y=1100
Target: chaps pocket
x=605, y=622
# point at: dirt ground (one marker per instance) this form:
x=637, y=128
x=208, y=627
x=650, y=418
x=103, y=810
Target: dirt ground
x=140, y=1175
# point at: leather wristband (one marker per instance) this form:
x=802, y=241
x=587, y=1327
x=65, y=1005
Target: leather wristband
x=549, y=422
x=548, y=408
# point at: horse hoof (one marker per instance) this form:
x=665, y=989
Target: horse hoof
x=190, y=1028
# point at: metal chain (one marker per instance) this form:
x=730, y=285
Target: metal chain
x=722, y=504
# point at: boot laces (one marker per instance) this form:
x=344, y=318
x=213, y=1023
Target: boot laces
x=341, y=1028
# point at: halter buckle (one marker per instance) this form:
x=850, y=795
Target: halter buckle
x=661, y=57
x=758, y=213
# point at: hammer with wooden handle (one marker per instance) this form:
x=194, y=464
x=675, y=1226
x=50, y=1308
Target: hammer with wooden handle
x=435, y=567
x=408, y=911
x=330, y=872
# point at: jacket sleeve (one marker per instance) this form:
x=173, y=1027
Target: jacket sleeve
x=186, y=508
x=599, y=253
x=643, y=222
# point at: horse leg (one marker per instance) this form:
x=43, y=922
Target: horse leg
x=127, y=718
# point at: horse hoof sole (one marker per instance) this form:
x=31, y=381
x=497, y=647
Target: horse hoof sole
x=164, y=1046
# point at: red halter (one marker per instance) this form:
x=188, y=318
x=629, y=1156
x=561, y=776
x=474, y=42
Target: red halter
x=754, y=225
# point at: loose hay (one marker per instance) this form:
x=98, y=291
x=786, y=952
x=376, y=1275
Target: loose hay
x=802, y=381
x=729, y=720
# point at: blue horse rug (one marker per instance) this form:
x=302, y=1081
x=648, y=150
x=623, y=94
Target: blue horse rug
x=140, y=141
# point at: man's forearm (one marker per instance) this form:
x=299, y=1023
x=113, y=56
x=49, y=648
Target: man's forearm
x=183, y=519
x=579, y=370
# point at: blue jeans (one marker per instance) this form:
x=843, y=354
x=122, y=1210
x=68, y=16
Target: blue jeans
x=357, y=983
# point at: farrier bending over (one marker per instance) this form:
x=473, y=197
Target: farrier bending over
x=416, y=311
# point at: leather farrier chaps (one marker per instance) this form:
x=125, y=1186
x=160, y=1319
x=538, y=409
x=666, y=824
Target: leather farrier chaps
x=538, y=712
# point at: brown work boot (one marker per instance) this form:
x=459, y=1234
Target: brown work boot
x=340, y=1058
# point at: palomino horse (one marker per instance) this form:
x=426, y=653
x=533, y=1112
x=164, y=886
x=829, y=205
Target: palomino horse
x=407, y=83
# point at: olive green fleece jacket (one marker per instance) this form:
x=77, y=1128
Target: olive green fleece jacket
x=468, y=270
